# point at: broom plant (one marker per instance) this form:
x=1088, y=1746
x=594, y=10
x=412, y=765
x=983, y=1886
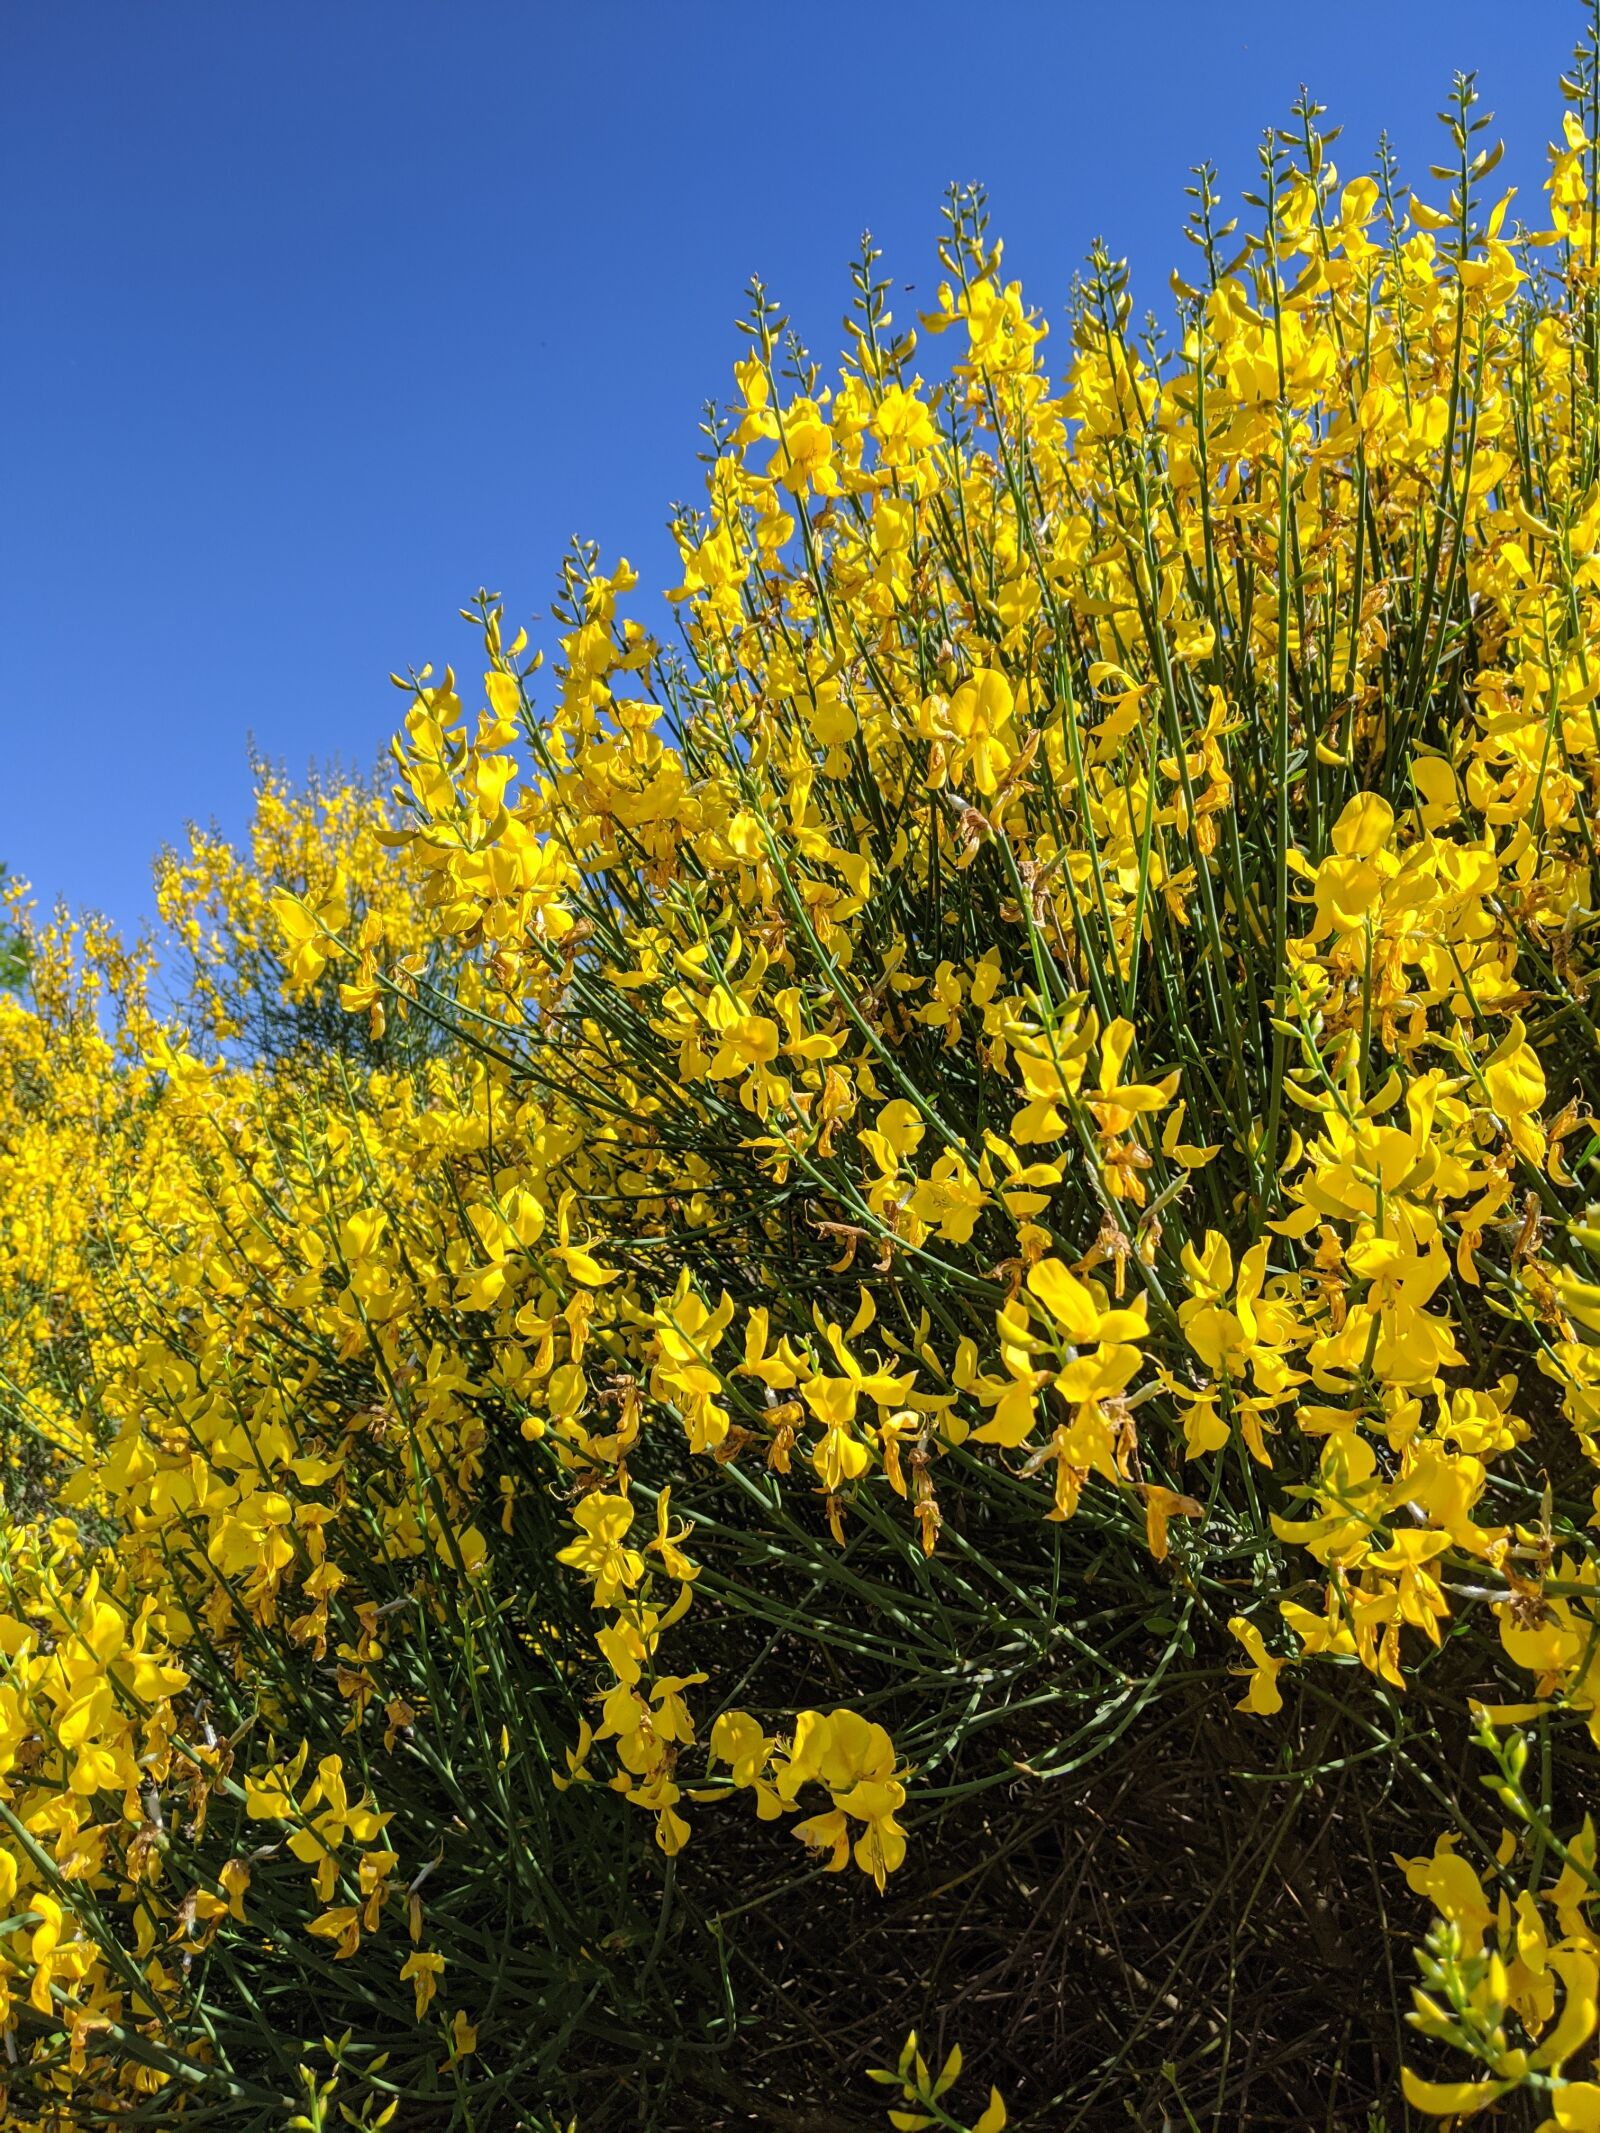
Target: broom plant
x=882, y=1317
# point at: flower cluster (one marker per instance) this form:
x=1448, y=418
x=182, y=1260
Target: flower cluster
x=1047, y=1049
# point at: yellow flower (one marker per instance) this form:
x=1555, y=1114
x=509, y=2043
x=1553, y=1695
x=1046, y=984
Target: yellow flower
x=422, y=1970
x=1263, y=1696
x=310, y=931
x=605, y=1522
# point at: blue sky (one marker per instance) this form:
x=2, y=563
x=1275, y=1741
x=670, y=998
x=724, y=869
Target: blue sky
x=322, y=313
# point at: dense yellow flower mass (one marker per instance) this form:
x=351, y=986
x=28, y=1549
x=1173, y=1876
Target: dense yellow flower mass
x=645, y=1279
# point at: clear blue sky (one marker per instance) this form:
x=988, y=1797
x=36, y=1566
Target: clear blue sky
x=321, y=313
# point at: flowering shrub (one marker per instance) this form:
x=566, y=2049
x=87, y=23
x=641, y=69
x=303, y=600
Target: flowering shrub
x=953, y=1224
